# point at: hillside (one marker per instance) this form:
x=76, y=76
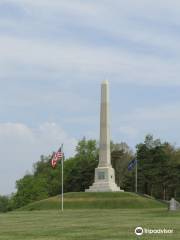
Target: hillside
x=103, y=200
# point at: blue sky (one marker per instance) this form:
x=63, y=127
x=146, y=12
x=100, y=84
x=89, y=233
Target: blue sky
x=54, y=56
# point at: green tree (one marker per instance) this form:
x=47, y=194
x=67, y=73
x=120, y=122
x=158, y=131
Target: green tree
x=51, y=176
x=158, y=172
x=5, y=204
x=29, y=189
x=158, y=165
x=79, y=171
x=121, y=155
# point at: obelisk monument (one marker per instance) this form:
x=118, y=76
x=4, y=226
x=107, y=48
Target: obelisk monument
x=104, y=173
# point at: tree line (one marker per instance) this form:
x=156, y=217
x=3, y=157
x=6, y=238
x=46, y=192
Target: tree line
x=158, y=166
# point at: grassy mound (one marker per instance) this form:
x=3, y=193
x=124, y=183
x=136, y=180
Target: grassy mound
x=101, y=200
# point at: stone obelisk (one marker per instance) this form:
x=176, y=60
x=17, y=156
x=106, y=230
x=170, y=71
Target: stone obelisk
x=104, y=173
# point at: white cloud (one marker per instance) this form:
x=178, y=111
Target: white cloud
x=168, y=112
x=143, y=53
x=28, y=56
x=72, y=41
x=129, y=131
x=14, y=130
x=21, y=146
x=162, y=121
x=46, y=8
x=77, y=6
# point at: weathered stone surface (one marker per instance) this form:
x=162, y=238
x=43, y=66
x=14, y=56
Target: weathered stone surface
x=174, y=205
x=104, y=173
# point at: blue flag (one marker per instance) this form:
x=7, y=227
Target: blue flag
x=132, y=164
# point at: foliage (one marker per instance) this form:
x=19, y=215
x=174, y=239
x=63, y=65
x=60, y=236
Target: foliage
x=79, y=171
x=158, y=172
x=46, y=181
x=120, y=158
x=158, y=169
x=5, y=204
x=30, y=189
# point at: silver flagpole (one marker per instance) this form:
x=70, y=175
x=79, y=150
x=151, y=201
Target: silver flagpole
x=62, y=182
x=136, y=176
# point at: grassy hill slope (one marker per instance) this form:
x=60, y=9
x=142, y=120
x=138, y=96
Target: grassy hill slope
x=100, y=200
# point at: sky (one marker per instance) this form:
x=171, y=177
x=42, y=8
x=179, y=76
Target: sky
x=54, y=56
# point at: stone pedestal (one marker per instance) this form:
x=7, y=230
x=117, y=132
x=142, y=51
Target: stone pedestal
x=104, y=173
x=104, y=181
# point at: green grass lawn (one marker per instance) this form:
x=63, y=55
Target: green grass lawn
x=103, y=200
x=89, y=216
x=87, y=224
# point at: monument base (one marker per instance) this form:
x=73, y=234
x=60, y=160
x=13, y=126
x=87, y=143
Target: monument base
x=104, y=181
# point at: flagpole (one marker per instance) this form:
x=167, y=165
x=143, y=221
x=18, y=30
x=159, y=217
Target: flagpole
x=62, y=182
x=136, y=176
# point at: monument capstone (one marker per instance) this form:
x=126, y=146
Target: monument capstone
x=104, y=173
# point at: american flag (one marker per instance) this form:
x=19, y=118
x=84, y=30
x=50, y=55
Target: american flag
x=56, y=156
